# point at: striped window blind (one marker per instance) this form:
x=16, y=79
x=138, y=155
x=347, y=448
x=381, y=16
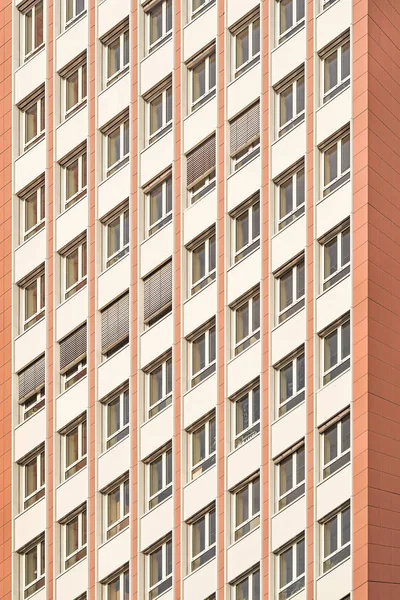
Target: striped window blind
x=245, y=129
x=158, y=291
x=73, y=347
x=31, y=379
x=115, y=324
x=201, y=161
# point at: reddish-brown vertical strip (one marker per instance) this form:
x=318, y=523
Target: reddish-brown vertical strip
x=50, y=300
x=91, y=349
x=134, y=291
x=220, y=324
x=309, y=260
x=5, y=296
x=177, y=273
x=265, y=223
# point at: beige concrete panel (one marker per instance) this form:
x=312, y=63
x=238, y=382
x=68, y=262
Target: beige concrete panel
x=333, y=303
x=333, y=209
x=156, y=66
x=288, y=243
x=156, y=250
x=288, y=56
x=336, y=583
x=156, y=340
x=288, y=149
x=243, y=461
x=110, y=13
x=288, y=430
x=71, y=313
x=113, y=282
x=113, y=463
x=29, y=434
x=333, y=492
x=237, y=9
x=113, y=190
x=30, y=255
x=198, y=217
x=243, y=554
x=200, y=400
x=333, y=21
x=288, y=523
x=333, y=397
x=71, y=493
x=71, y=43
x=30, y=165
x=288, y=336
x=157, y=523
x=244, y=368
x=201, y=583
x=114, y=98
x=199, y=308
x=243, y=90
x=199, y=124
x=29, y=524
x=243, y=183
x=113, y=372
x=156, y=432
x=156, y=158
x=71, y=223
x=29, y=345
x=71, y=133
x=73, y=582
x=114, y=553
x=199, y=493
x=244, y=275
x=30, y=76
x=333, y=115
x=72, y=403
x=199, y=32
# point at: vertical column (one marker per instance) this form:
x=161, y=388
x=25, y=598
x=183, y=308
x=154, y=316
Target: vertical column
x=177, y=303
x=50, y=302
x=6, y=297
x=309, y=261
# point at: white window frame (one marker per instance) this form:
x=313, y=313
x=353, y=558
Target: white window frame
x=338, y=327
x=123, y=521
x=297, y=209
x=241, y=158
x=209, y=276
x=296, y=490
x=82, y=93
x=41, y=112
x=297, y=577
x=40, y=291
x=122, y=397
x=254, y=240
x=209, y=363
x=343, y=269
x=81, y=456
x=253, y=332
x=208, y=91
x=296, y=24
x=123, y=67
x=254, y=426
x=35, y=402
x=253, y=519
x=345, y=175
x=165, y=576
x=165, y=485
x=82, y=270
x=39, y=191
x=39, y=492
x=123, y=578
x=341, y=453
x=208, y=547
x=165, y=34
x=249, y=577
x=82, y=539
x=340, y=545
x=82, y=189
x=203, y=186
x=203, y=6
x=76, y=15
x=166, y=217
x=342, y=83
x=166, y=124
x=123, y=249
x=41, y=554
x=298, y=116
x=79, y=370
x=110, y=169
x=197, y=469
x=296, y=392
x=166, y=396
x=35, y=49
x=297, y=301
x=253, y=58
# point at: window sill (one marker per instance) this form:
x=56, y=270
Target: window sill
x=158, y=44
x=288, y=319
x=327, y=7
x=279, y=418
x=30, y=329
x=303, y=215
x=250, y=67
x=209, y=284
x=114, y=536
x=200, y=11
x=66, y=481
x=348, y=464
x=114, y=78
x=32, y=237
x=243, y=166
x=73, y=111
x=154, y=325
x=190, y=389
x=241, y=446
x=32, y=54
x=163, y=410
x=342, y=185
x=32, y=145
x=162, y=134
x=323, y=387
x=151, y=236
x=70, y=298
x=192, y=481
x=335, y=567
x=206, y=99
x=286, y=36
x=106, y=360
x=151, y=510
x=282, y=510
x=75, y=20
x=29, y=418
x=236, y=356
x=107, y=269
x=70, y=388
x=71, y=567
x=324, y=292
x=116, y=167
x=338, y=91
x=25, y=510
x=107, y=450
x=243, y=537
x=246, y=67
x=287, y=133
x=243, y=258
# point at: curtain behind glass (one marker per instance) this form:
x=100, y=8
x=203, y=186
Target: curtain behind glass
x=330, y=258
x=330, y=160
x=156, y=114
x=199, y=354
x=156, y=483
x=286, y=475
x=286, y=198
x=31, y=565
x=285, y=290
x=286, y=15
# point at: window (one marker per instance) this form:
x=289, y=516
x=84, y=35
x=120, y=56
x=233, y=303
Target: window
x=247, y=230
x=75, y=373
x=117, y=418
x=33, y=299
x=291, y=197
x=117, y=508
x=117, y=237
x=201, y=174
x=291, y=383
x=33, y=119
x=203, y=539
x=336, y=351
x=159, y=112
x=336, y=446
x=118, y=587
x=160, y=386
x=291, y=291
x=248, y=588
x=336, y=70
x=203, y=78
x=291, y=477
x=247, y=323
x=203, y=447
x=291, y=17
x=33, y=210
x=291, y=103
x=75, y=87
x=247, y=508
x=33, y=404
x=34, y=476
x=291, y=564
x=34, y=568
x=247, y=416
x=158, y=294
x=160, y=570
x=75, y=8
x=336, y=532
x=336, y=251
x=245, y=137
x=325, y=4
x=197, y=6
x=33, y=28
x=336, y=163
x=159, y=202
x=117, y=146
x=160, y=478
x=75, y=177
x=160, y=24
x=75, y=448
x=115, y=326
x=247, y=45
x=73, y=357
x=117, y=54
x=203, y=355
x=75, y=536
x=203, y=269
x=75, y=263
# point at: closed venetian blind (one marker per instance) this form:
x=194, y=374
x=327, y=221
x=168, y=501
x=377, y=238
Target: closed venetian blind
x=31, y=379
x=158, y=291
x=73, y=347
x=245, y=128
x=115, y=324
x=201, y=161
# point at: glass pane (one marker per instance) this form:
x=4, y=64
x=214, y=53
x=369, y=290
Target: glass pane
x=113, y=417
x=300, y=559
x=169, y=558
x=198, y=445
x=211, y=342
x=242, y=47
x=156, y=204
x=256, y=37
x=84, y=435
x=300, y=371
x=169, y=467
x=114, y=589
x=300, y=280
x=31, y=477
x=31, y=565
x=84, y=81
x=256, y=313
x=256, y=586
x=156, y=114
x=242, y=590
x=156, y=23
x=345, y=247
x=126, y=408
x=31, y=300
x=126, y=137
x=156, y=381
x=72, y=179
x=256, y=404
x=300, y=95
x=345, y=526
x=255, y=220
x=330, y=71
x=242, y=506
x=169, y=195
x=211, y=253
x=330, y=350
x=346, y=340
x=242, y=230
x=169, y=376
x=114, y=146
x=211, y=67
x=70, y=9
x=286, y=15
x=113, y=506
x=345, y=60
x=72, y=268
x=242, y=322
x=198, y=537
x=286, y=475
x=168, y=26
x=28, y=31
x=285, y=567
x=80, y=6
x=155, y=566
x=71, y=447
x=126, y=585
x=286, y=105
x=211, y=436
x=330, y=537
x=72, y=90
x=330, y=162
x=345, y=153
x=126, y=497
x=168, y=94
x=211, y=527
x=300, y=473
x=199, y=81
x=346, y=433
x=242, y=414
x=156, y=478
x=300, y=188
x=286, y=198
x=286, y=290
x=198, y=262
x=256, y=497
x=84, y=169
x=31, y=211
x=300, y=9
x=330, y=257
x=199, y=354
x=38, y=24
x=113, y=237
x=126, y=48
x=113, y=57
x=72, y=542
x=31, y=122
x=286, y=382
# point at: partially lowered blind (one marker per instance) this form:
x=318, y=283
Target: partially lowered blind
x=31, y=379
x=201, y=161
x=115, y=324
x=245, y=129
x=158, y=291
x=73, y=347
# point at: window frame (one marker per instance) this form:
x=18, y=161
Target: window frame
x=40, y=580
x=165, y=577
x=123, y=578
x=297, y=490
x=79, y=68
x=344, y=269
x=297, y=116
x=70, y=560
x=341, y=547
x=210, y=274
x=210, y=365
x=122, y=125
x=81, y=159
x=254, y=332
x=253, y=241
x=197, y=469
x=36, y=402
x=246, y=154
x=166, y=34
x=341, y=84
x=81, y=462
x=76, y=16
x=341, y=177
x=124, y=67
x=297, y=396
x=152, y=228
x=39, y=457
x=166, y=124
x=253, y=428
x=209, y=92
x=253, y=57
x=203, y=186
x=297, y=24
x=198, y=11
x=39, y=101
x=123, y=398
x=298, y=301
x=40, y=313
x=123, y=520
x=239, y=530
x=297, y=209
x=74, y=373
x=166, y=396
x=81, y=248
x=208, y=553
x=343, y=455
x=35, y=49
x=39, y=191
x=297, y=577
x=123, y=250
x=166, y=487
x=340, y=364
x=250, y=578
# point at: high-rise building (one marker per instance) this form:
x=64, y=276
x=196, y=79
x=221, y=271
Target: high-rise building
x=199, y=299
